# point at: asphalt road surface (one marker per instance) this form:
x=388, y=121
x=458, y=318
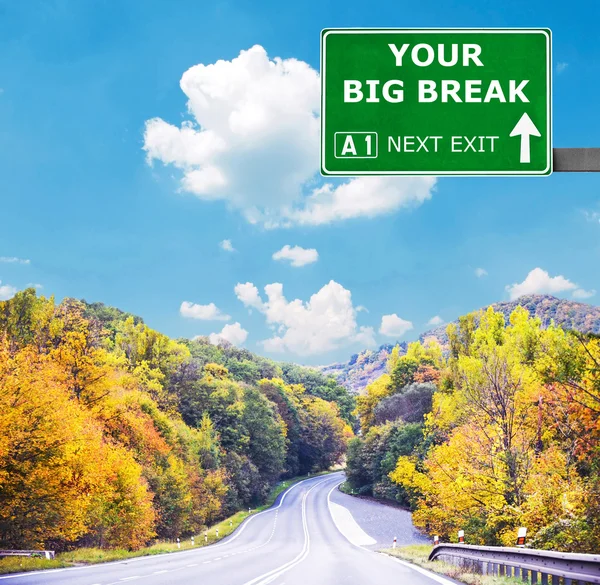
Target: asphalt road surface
x=304, y=539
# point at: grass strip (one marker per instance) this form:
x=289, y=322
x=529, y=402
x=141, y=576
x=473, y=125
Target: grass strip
x=418, y=554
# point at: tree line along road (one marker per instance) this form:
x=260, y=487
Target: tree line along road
x=297, y=541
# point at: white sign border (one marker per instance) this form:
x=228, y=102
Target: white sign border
x=547, y=32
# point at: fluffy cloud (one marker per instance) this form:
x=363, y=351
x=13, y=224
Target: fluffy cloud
x=234, y=334
x=539, y=281
x=227, y=246
x=561, y=66
x=480, y=272
x=365, y=336
x=394, y=326
x=14, y=260
x=364, y=196
x=208, y=312
x=437, y=320
x=297, y=255
x=326, y=322
x=254, y=143
x=6, y=291
x=249, y=295
x=581, y=293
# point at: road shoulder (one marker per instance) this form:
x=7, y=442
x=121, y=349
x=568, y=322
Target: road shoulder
x=380, y=521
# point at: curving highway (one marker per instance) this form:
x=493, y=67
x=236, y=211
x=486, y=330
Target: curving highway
x=306, y=537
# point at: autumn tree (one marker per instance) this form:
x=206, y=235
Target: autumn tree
x=59, y=479
x=112, y=434
x=501, y=463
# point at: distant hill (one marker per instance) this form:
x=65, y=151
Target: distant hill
x=368, y=365
x=362, y=368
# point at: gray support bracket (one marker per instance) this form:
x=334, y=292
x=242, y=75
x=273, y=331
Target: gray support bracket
x=576, y=160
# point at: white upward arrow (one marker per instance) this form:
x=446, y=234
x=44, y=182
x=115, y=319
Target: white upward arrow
x=525, y=128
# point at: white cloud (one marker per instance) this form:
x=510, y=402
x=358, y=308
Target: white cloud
x=581, y=293
x=254, y=143
x=361, y=308
x=394, y=326
x=249, y=295
x=561, y=66
x=365, y=337
x=480, y=272
x=325, y=322
x=14, y=260
x=234, y=334
x=227, y=246
x=34, y=285
x=593, y=216
x=297, y=255
x=437, y=320
x=6, y=291
x=364, y=196
x=539, y=281
x=208, y=312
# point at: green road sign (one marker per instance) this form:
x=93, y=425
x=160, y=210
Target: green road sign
x=436, y=102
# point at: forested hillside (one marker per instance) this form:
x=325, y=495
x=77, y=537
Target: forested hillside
x=368, y=365
x=502, y=430
x=112, y=434
x=362, y=368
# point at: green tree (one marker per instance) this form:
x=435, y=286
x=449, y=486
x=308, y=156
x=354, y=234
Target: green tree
x=266, y=433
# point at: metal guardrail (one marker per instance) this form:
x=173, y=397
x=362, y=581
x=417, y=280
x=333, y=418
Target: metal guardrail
x=537, y=566
x=47, y=554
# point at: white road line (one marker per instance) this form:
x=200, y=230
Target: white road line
x=124, y=579
x=250, y=518
x=348, y=526
x=192, y=565
x=247, y=550
x=160, y=572
x=278, y=571
x=425, y=572
x=434, y=576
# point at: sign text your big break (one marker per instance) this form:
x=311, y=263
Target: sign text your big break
x=428, y=91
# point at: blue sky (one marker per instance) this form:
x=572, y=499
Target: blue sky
x=78, y=198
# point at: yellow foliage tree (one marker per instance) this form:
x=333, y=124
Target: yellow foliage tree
x=501, y=463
